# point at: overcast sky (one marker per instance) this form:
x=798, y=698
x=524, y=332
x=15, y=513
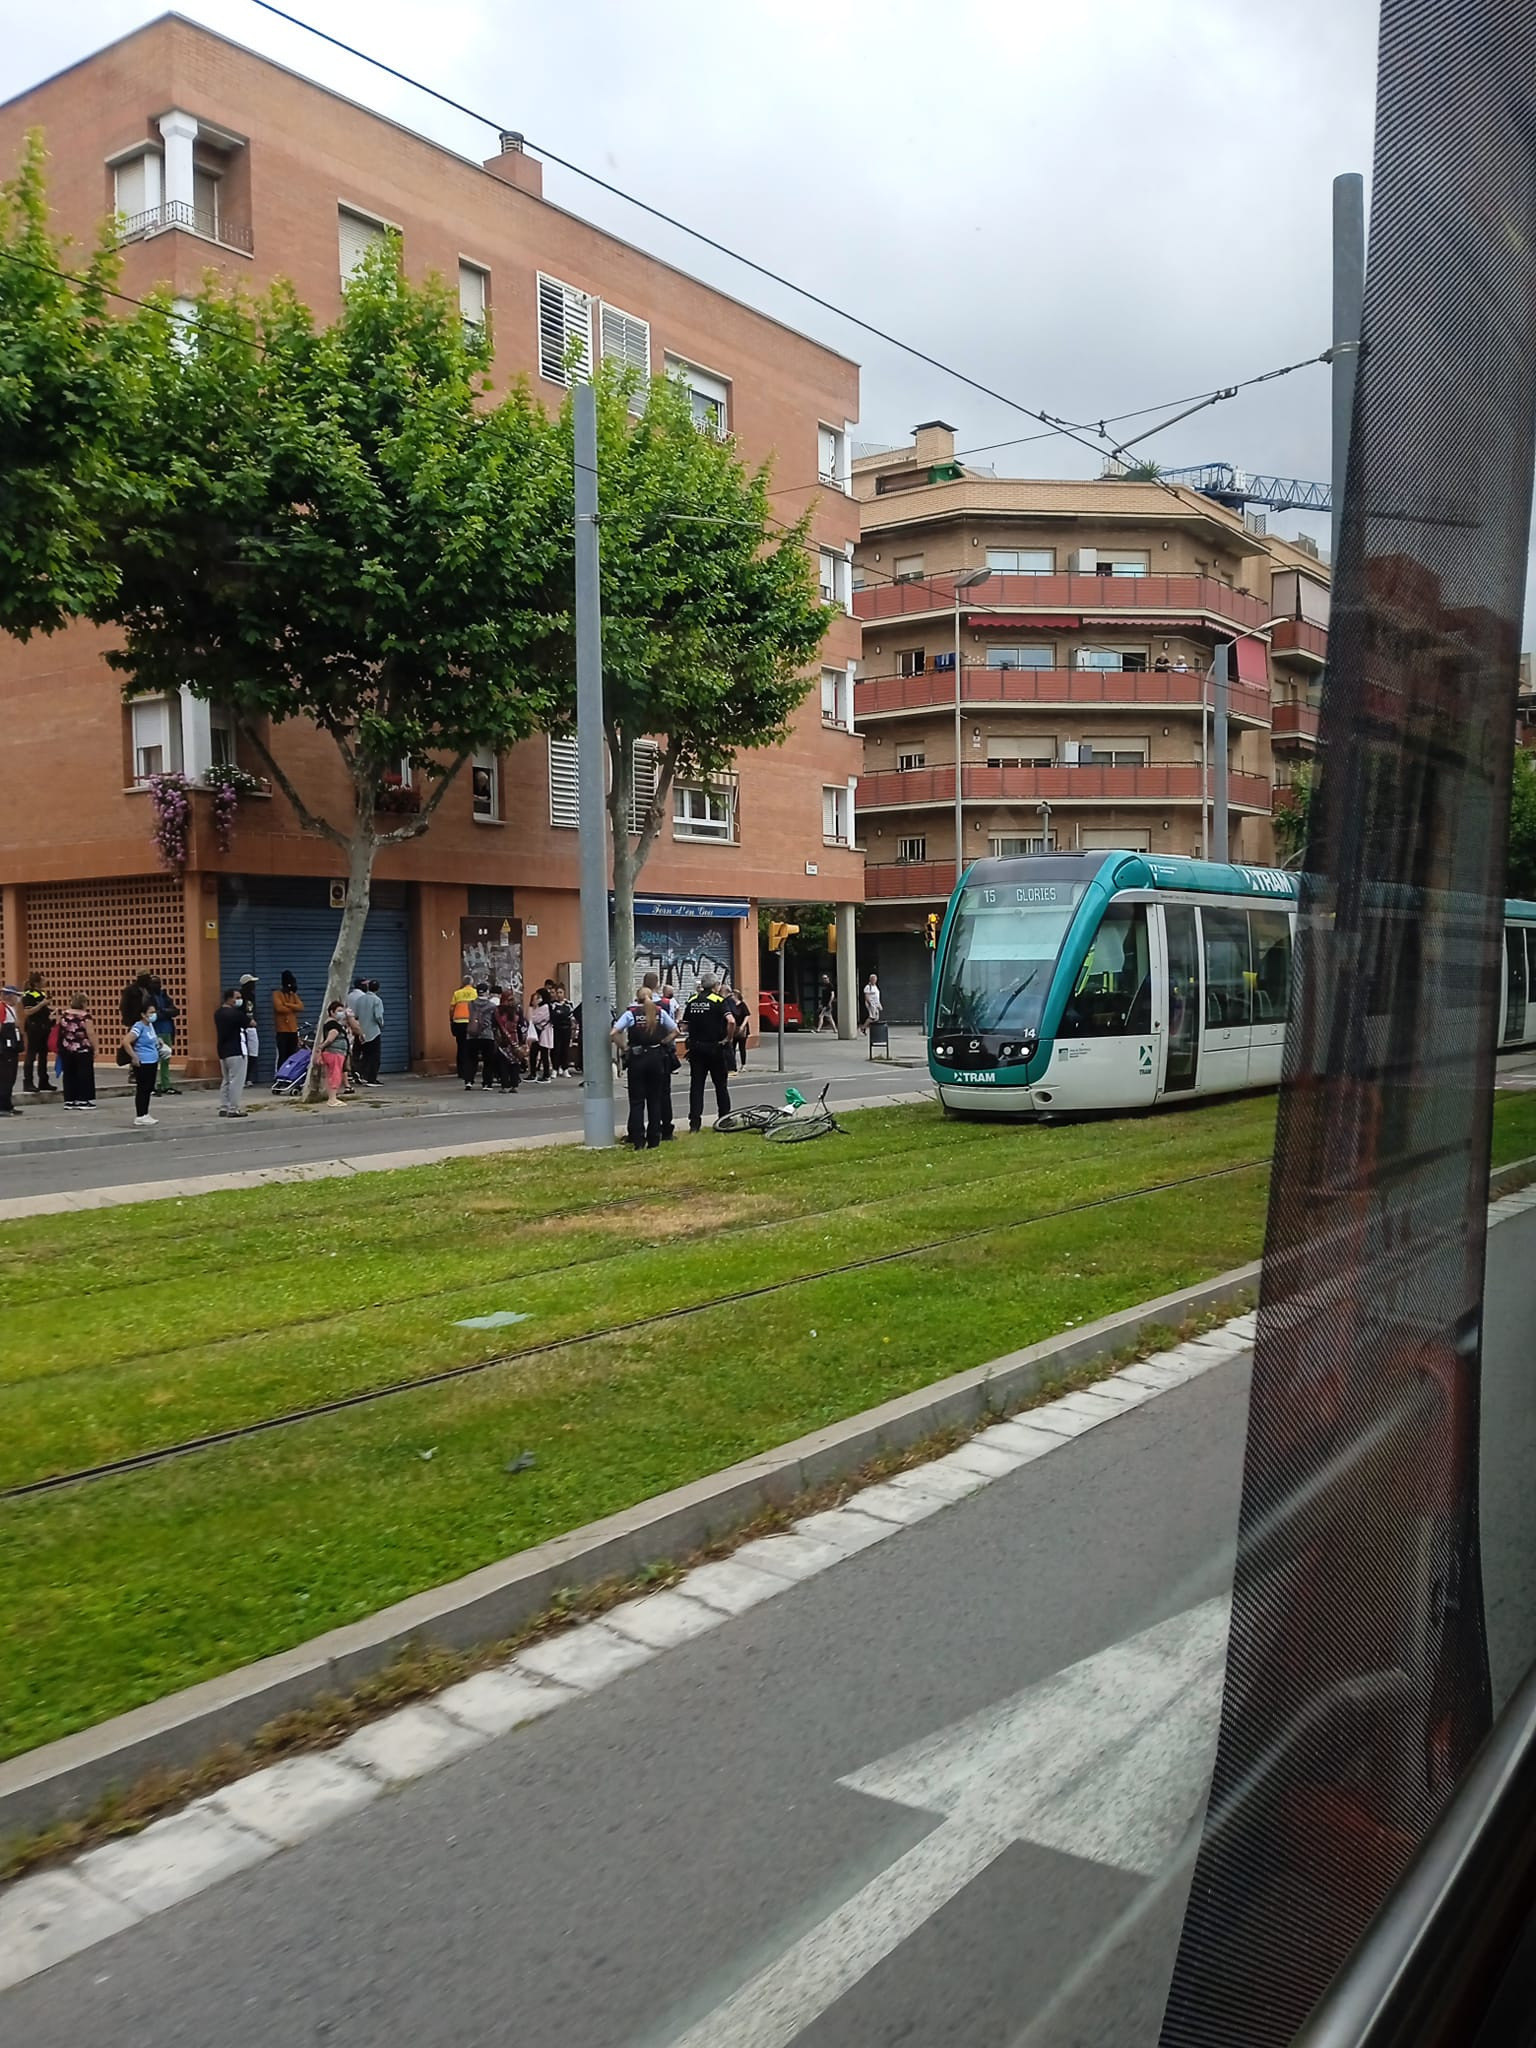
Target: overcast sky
x=1087, y=209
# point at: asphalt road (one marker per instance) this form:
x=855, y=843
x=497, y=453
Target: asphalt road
x=611, y=1876
x=49, y=1151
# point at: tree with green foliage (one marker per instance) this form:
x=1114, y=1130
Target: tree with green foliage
x=710, y=613
x=348, y=534
x=1293, y=815
x=63, y=392
x=1521, y=875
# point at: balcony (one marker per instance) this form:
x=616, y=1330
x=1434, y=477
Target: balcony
x=176, y=213
x=1304, y=642
x=1066, y=689
x=1157, y=782
x=1293, y=724
x=1071, y=600
x=916, y=880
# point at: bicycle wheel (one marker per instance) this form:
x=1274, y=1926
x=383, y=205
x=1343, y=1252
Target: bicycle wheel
x=795, y=1130
x=754, y=1116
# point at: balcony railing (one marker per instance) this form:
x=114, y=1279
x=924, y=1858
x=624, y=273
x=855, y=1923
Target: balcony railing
x=1196, y=598
x=920, y=878
x=176, y=213
x=1294, y=722
x=1164, y=782
x=1297, y=636
x=1069, y=688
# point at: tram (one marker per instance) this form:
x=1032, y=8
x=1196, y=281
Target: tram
x=1073, y=982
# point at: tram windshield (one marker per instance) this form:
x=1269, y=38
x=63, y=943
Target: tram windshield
x=1002, y=947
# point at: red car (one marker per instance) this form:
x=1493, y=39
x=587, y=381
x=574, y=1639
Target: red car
x=768, y=1011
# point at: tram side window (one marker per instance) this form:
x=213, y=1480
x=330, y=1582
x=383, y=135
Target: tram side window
x=1271, y=930
x=1113, y=993
x=1228, y=969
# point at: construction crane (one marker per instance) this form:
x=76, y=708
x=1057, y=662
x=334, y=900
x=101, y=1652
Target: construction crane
x=1235, y=487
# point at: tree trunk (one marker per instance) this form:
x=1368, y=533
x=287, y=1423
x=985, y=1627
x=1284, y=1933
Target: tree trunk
x=360, y=855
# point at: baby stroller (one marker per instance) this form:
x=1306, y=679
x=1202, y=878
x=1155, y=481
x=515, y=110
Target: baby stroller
x=289, y=1078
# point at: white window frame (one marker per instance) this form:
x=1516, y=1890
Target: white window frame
x=223, y=751
x=474, y=292
x=711, y=394
x=836, y=814
x=837, y=698
x=910, y=759
x=1011, y=845
x=1109, y=744
x=1126, y=838
x=1135, y=562
x=1006, y=561
x=913, y=850
x=628, y=337
x=907, y=568
x=1015, y=657
x=564, y=787
x=154, y=725
x=485, y=761
x=834, y=574
x=564, y=314
x=704, y=811
x=1021, y=750
x=832, y=455
x=149, y=164
x=913, y=661
x=375, y=231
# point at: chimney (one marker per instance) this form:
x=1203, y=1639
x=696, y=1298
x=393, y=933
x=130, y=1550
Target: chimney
x=935, y=441
x=514, y=166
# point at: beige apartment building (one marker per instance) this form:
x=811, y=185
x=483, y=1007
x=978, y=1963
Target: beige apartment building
x=1085, y=643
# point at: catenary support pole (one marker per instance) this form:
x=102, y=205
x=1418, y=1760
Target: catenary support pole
x=1220, y=694
x=1348, y=288
x=592, y=806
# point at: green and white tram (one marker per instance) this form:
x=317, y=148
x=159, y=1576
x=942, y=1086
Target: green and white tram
x=1068, y=982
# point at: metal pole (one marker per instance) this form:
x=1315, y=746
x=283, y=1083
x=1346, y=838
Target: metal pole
x=959, y=771
x=1219, y=700
x=1348, y=289
x=1205, y=775
x=591, y=792
x=781, y=1007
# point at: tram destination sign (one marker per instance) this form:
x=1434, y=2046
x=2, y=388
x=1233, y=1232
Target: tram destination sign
x=1023, y=895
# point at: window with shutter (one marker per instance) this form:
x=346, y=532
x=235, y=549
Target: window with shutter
x=564, y=802
x=472, y=284
x=646, y=757
x=709, y=396
x=565, y=323
x=484, y=783
x=355, y=235
x=205, y=203
x=834, y=815
x=155, y=724
x=629, y=339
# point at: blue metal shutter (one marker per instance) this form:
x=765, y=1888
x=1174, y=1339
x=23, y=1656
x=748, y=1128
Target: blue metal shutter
x=263, y=940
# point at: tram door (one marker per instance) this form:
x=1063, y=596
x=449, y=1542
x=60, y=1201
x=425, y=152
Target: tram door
x=1181, y=957
x=1514, y=985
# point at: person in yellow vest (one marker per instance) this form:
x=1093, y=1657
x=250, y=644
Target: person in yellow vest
x=458, y=1024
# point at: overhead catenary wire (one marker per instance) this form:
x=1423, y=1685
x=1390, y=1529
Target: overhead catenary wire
x=812, y=297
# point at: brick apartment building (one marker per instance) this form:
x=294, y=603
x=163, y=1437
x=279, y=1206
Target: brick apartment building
x=1084, y=660
x=218, y=159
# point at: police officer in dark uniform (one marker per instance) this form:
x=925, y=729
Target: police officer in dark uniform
x=648, y=1030
x=709, y=1024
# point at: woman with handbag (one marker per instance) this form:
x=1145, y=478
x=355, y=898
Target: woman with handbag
x=77, y=1055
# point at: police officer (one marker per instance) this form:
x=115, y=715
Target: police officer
x=710, y=1026
x=649, y=1030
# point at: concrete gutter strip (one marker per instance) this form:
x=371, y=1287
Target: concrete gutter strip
x=64, y=1779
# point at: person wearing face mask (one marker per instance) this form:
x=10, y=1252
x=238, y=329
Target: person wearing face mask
x=335, y=1037
x=10, y=1049
x=229, y=1044
x=141, y=1042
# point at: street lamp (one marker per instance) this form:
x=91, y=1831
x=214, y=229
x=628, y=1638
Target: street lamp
x=961, y=583
x=1219, y=701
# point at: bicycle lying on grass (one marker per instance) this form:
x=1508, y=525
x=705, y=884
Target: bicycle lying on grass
x=787, y=1123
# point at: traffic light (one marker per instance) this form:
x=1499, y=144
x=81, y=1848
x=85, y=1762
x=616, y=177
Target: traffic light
x=778, y=933
x=931, y=930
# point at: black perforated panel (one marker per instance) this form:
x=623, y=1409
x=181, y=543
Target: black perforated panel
x=1357, y=1677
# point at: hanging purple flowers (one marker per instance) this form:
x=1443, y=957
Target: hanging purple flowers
x=171, y=796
